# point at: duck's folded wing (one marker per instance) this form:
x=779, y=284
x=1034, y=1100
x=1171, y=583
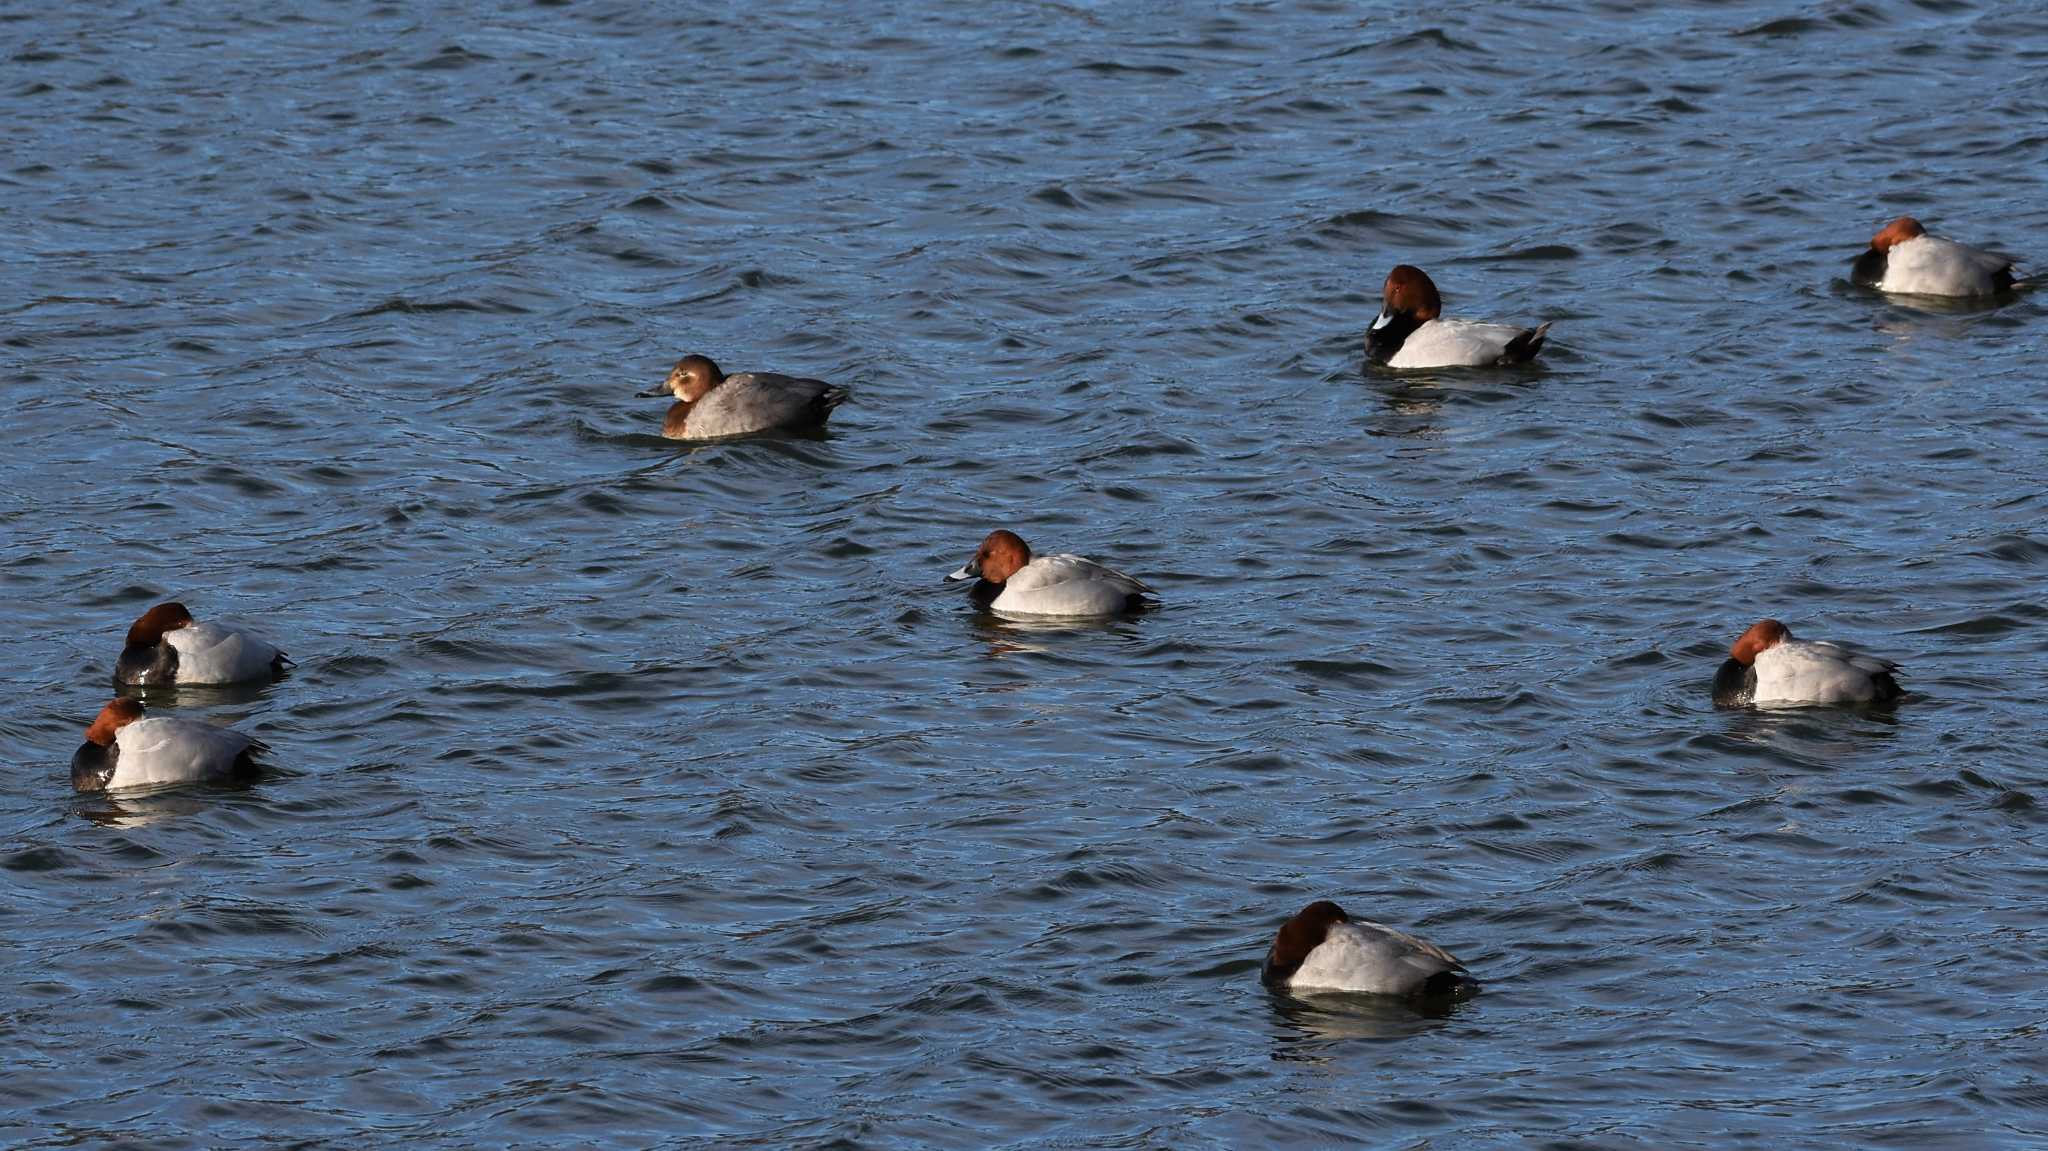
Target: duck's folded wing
x=1861, y=661
x=1420, y=954
x=221, y=653
x=756, y=401
x=803, y=385
x=1938, y=262
x=168, y=751
x=1466, y=341
x=1052, y=571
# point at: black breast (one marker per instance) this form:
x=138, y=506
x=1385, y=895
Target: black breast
x=147, y=664
x=1383, y=342
x=92, y=766
x=1734, y=684
x=1273, y=975
x=1869, y=268
x=984, y=593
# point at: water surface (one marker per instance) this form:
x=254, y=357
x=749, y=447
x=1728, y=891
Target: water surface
x=631, y=794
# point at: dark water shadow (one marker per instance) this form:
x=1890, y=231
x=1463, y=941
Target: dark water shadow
x=141, y=806
x=1424, y=394
x=1846, y=288
x=1810, y=736
x=156, y=696
x=1015, y=635
x=1310, y=1020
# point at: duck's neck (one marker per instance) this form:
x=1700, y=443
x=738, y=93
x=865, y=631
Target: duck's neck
x=678, y=415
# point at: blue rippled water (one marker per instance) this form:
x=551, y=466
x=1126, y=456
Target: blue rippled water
x=633, y=794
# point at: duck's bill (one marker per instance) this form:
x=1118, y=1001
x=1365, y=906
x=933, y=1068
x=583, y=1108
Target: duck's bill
x=966, y=572
x=660, y=390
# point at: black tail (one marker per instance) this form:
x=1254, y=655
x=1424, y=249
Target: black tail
x=1449, y=985
x=248, y=765
x=1524, y=347
x=1888, y=689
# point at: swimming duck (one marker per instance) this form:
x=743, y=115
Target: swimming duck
x=1010, y=581
x=1768, y=666
x=1409, y=332
x=1323, y=949
x=711, y=405
x=1904, y=258
x=123, y=748
x=166, y=647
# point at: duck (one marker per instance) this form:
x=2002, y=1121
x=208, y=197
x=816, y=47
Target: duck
x=1904, y=258
x=1324, y=949
x=167, y=647
x=125, y=748
x=1409, y=332
x=1767, y=665
x=712, y=405
x=1009, y=581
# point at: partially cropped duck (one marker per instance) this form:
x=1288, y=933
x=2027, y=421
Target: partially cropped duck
x=1323, y=949
x=123, y=748
x=711, y=405
x=1768, y=666
x=167, y=647
x=1008, y=580
x=1411, y=333
x=1904, y=258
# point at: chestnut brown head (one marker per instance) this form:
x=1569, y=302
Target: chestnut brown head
x=112, y=718
x=149, y=630
x=998, y=557
x=1897, y=232
x=1762, y=636
x=689, y=379
x=1409, y=291
x=1301, y=935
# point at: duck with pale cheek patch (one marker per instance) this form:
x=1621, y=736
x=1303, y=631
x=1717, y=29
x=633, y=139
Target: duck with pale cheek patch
x=1903, y=258
x=1323, y=949
x=1768, y=666
x=1411, y=333
x=124, y=748
x=712, y=405
x=1009, y=581
x=167, y=647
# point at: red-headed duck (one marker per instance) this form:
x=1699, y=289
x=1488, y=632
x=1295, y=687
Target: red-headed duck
x=1323, y=949
x=711, y=405
x=166, y=647
x=123, y=748
x=1768, y=666
x=1904, y=258
x=1011, y=582
x=1410, y=332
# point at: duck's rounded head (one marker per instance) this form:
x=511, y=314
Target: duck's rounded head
x=1305, y=932
x=1409, y=291
x=149, y=630
x=112, y=718
x=999, y=556
x=1762, y=636
x=1897, y=232
x=688, y=381
x=1299, y=936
